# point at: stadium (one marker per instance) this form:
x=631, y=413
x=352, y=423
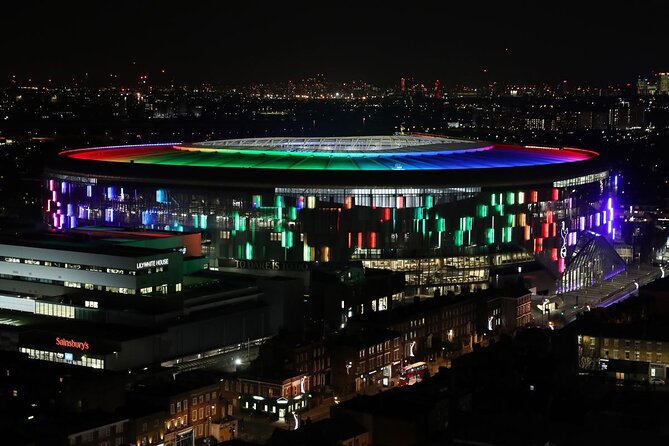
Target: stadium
x=448, y=212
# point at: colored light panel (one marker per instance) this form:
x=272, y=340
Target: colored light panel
x=427, y=157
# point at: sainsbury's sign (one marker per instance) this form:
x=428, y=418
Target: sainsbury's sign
x=71, y=343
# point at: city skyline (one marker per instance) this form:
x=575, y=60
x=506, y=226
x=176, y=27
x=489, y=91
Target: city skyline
x=316, y=223
x=472, y=44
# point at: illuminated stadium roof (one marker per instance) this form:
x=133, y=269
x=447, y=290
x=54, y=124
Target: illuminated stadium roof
x=373, y=153
x=336, y=144
x=388, y=161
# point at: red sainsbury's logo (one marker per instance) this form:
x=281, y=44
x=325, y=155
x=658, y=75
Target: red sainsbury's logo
x=62, y=342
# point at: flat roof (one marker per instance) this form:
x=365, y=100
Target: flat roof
x=28, y=323
x=72, y=242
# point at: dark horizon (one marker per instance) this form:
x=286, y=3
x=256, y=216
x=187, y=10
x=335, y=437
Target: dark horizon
x=474, y=44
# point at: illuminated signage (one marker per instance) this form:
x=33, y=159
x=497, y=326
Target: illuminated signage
x=71, y=343
x=266, y=265
x=563, y=233
x=152, y=263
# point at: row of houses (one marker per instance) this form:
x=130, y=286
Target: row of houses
x=295, y=371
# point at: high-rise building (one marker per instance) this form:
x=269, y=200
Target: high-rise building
x=663, y=83
x=626, y=117
x=642, y=87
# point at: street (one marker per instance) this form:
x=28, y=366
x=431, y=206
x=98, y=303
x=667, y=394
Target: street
x=618, y=288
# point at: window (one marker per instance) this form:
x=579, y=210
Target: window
x=194, y=401
x=201, y=412
x=172, y=409
x=213, y=409
x=178, y=406
x=201, y=399
x=627, y=354
x=193, y=415
x=104, y=432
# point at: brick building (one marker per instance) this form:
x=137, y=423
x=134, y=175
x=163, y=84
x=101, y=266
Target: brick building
x=365, y=358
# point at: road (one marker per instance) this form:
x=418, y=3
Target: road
x=618, y=288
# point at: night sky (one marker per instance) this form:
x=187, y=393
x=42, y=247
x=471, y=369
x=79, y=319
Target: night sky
x=474, y=43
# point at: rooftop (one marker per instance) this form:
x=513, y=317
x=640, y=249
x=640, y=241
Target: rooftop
x=373, y=153
x=365, y=337
x=79, y=242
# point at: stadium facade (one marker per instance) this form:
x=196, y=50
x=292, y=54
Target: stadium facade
x=445, y=211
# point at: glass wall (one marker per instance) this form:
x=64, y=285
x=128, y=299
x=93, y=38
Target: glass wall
x=446, y=229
